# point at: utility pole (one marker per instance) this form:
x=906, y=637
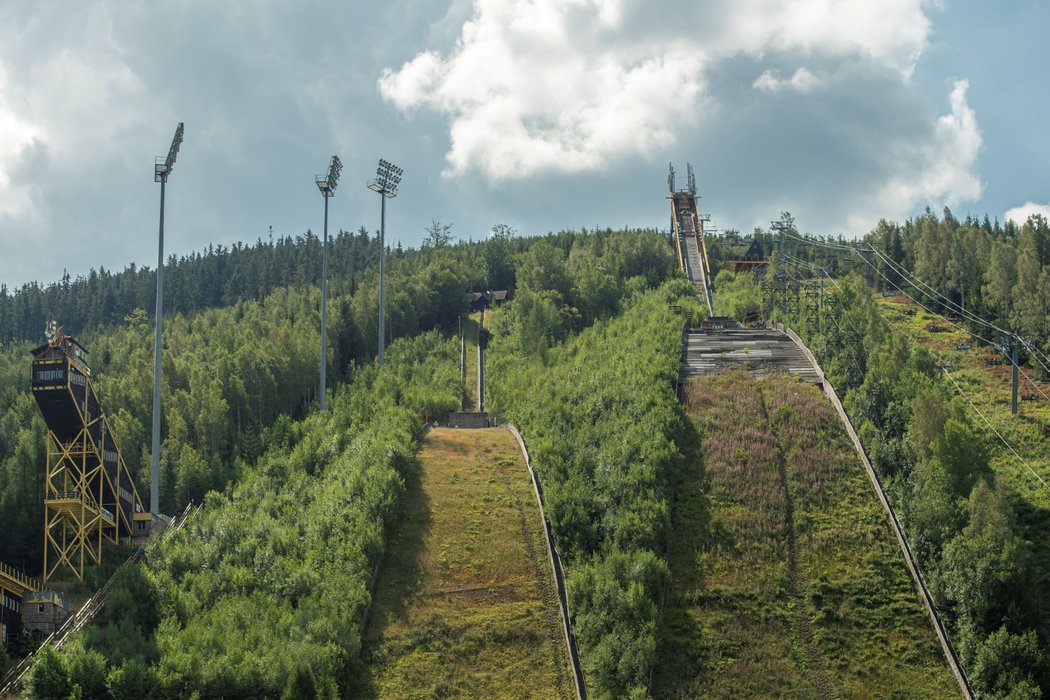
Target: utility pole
x=481, y=361
x=1013, y=384
x=161, y=171
x=780, y=292
x=867, y=265
x=462, y=363
x=482, y=301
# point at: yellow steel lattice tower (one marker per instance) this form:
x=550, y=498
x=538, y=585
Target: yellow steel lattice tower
x=89, y=496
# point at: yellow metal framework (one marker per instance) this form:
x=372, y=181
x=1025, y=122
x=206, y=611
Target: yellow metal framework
x=16, y=582
x=78, y=484
x=75, y=524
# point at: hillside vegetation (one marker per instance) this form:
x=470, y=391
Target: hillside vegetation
x=786, y=578
x=234, y=375
x=975, y=530
x=602, y=422
x=466, y=603
x=264, y=592
x=265, y=588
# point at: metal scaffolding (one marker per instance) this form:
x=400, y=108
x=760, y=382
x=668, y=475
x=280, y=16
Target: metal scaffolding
x=89, y=496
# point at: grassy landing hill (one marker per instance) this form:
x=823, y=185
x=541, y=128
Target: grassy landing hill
x=786, y=578
x=466, y=604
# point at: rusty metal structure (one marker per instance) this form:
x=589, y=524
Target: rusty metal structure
x=687, y=225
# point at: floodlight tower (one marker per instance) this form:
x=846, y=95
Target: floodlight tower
x=161, y=171
x=385, y=183
x=326, y=183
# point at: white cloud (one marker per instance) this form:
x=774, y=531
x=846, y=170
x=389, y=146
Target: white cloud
x=573, y=85
x=16, y=135
x=1020, y=214
x=939, y=171
x=525, y=96
x=801, y=81
x=891, y=32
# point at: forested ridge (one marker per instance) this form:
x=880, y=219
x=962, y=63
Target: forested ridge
x=583, y=358
x=241, y=433
x=217, y=276
x=230, y=372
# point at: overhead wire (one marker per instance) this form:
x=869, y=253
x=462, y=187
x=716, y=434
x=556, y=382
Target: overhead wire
x=814, y=241
x=972, y=334
x=914, y=343
x=921, y=287
x=914, y=280
x=911, y=277
x=992, y=428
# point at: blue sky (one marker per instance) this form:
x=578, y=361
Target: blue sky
x=1001, y=49
x=544, y=114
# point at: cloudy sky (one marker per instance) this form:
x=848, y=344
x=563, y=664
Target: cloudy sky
x=541, y=114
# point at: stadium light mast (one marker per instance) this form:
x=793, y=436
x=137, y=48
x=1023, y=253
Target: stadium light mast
x=385, y=183
x=161, y=170
x=327, y=184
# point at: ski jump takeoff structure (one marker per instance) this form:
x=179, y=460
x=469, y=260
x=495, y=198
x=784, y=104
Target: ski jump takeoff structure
x=89, y=496
x=688, y=227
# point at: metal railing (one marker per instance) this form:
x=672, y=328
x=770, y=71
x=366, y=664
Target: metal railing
x=19, y=577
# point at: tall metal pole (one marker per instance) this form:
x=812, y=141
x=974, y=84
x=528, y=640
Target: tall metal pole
x=161, y=171
x=462, y=363
x=324, y=305
x=382, y=258
x=154, y=484
x=481, y=362
x=385, y=183
x=1013, y=384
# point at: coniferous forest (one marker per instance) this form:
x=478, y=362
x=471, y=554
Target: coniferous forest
x=263, y=593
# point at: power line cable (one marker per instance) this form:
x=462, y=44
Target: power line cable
x=914, y=280
x=920, y=285
x=959, y=388
x=813, y=241
x=992, y=428
x=997, y=346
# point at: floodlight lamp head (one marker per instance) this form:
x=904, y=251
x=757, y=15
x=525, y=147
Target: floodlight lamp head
x=327, y=183
x=334, y=168
x=387, y=178
x=176, y=142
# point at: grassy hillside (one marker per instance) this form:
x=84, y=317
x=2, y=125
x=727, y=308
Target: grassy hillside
x=786, y=579
x=465, y=604
x=984, y=374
